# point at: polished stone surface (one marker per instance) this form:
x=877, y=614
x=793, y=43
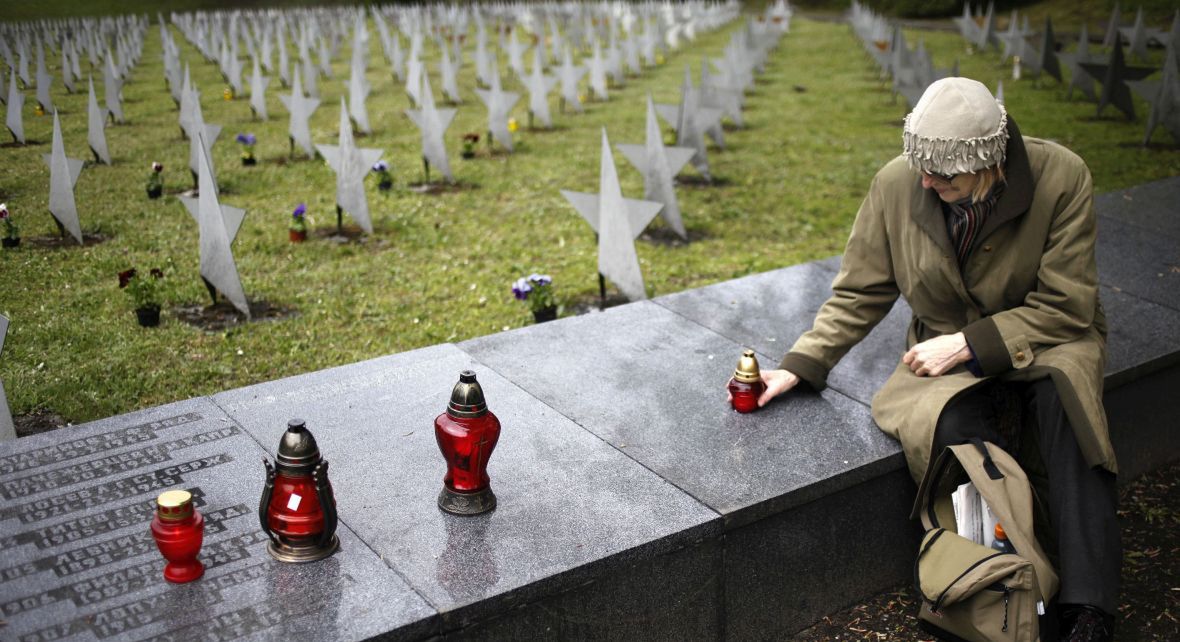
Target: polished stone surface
x=672, y=597
x=79, y=559
x=1151, y=206
x=1141, y=337
x=785, y=572
x=571, y=508
x=1139, y=261
x=768, y=312
x=651, y=383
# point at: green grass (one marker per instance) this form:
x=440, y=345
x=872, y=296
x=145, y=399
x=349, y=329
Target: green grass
x=439, y=267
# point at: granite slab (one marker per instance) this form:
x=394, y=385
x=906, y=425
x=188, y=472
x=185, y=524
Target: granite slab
x=1139, y=261
x=680, y=600
x=571, y=509
x=768, y=311
x=79, y=562
x=1151, y=206
x=652, y=383
x=1142, y=337
x=785, y=572
x=1143, y=422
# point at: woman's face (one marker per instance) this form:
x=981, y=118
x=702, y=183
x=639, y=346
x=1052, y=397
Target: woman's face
x=957, y=188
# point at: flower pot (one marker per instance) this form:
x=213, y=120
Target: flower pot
x=249, y=161
x=297, y=236
x=545, y=314
x=385, y=186
x=155, y=192
x=148, y=317
x=10, y=242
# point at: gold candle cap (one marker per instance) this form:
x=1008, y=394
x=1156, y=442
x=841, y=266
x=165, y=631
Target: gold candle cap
x=174, y=505
x=747, y=370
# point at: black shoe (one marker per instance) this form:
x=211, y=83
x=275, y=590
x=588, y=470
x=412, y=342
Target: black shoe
x=1085, y=623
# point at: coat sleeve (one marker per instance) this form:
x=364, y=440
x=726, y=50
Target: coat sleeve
x=1061, y=308
x=862, y=294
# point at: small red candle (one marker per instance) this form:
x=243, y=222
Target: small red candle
x=467, y=434
x=746, y=386
x=179, y=530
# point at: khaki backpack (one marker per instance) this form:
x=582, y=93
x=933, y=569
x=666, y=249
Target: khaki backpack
x=969, y=591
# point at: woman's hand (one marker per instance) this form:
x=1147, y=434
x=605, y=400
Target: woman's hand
x=777, y=382
x=938, y=355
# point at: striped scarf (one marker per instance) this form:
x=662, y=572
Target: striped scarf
x=964, y=219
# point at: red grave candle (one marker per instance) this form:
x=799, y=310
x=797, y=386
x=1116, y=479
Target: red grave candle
x=467, y=434
x=298, y=509
x=746, y=386
x=179, y=530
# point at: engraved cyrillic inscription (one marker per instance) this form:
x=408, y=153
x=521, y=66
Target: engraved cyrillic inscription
x=106, y=466
x=67, y=503
x=74, y=530
x=84, y=446
x=111, y=551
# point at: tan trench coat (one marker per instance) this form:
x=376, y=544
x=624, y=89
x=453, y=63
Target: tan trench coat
x=1027, y=298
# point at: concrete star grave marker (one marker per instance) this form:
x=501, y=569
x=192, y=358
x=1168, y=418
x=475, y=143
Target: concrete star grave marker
x=258, y=85
x=63, y=175
x=659, y=164
x=1079, y=78
x=44, y=80
x=539, y=85
x=67, y=72
x=358, y=92
x=204, y=136
x=569, y=74
x=433, y=122
x=14, y=119
x=1164, y=97
x=691, y=121
x=218, y=225
x=96, y=129
x=483, y=63
x=618, y=222
x=300, y=110
x=449, y=72
x=1113, y=75
x=598, y=73
x=113, y=88
x=351, y=164
x=499, y=103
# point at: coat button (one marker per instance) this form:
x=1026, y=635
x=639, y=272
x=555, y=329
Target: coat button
x=1020, y=356
x=987, y=248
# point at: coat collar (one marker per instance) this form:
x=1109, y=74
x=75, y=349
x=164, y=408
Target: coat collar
x=1018, y=188
x=1014, y=200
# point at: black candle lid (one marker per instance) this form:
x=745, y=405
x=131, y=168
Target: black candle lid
x=298, y=452
x=467, y=398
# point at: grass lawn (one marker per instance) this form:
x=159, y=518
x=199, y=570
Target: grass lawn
x=439, y=267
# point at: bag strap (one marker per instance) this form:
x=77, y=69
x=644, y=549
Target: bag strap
x=989, y=465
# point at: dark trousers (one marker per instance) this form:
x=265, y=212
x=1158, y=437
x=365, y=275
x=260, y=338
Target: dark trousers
x=1081, y=500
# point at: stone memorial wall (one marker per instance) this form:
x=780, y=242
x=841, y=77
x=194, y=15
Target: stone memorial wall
x=632, y=501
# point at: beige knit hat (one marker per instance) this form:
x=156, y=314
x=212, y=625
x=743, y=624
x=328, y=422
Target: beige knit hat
x=957, y=127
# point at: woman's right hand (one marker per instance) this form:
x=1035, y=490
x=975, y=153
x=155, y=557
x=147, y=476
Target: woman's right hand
x=777, y=382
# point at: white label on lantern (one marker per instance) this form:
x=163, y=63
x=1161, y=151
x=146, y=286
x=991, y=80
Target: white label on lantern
x=293, y=503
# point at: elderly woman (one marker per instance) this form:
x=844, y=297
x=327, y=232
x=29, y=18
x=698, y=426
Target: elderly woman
x=989, y=236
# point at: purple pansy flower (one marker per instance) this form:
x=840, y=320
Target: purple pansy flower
x=521, y=289
x=246, y=139
x=540, y=279
x=300, y=210
x=380, y=166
